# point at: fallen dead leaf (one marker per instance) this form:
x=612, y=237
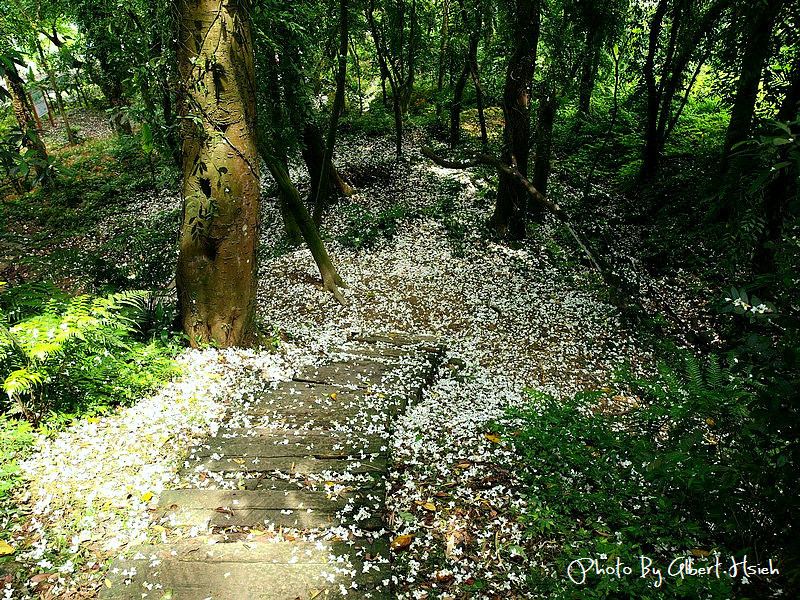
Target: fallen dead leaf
x=402, y=541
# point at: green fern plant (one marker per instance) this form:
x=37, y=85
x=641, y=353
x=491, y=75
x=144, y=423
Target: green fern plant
x=73, y=348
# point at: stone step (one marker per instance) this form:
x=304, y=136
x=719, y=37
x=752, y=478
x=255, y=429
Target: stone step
x=290, y=465
x=261, y=480
x=422, y=342
x=197, y=570
x=300, y=509
x=300, y=444
x=362, y=373
x=303, y=405
x=310, y=454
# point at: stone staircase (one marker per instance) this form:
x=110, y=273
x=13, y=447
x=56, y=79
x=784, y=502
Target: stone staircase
x=287, y=500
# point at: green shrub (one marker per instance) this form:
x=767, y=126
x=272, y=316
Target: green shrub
x=79, y=354
x=16, y=438
x=691, y=469
x=365, y=228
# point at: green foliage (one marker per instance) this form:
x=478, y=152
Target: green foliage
x=16, y=439
x=79, y=354
x=689, y=467
x=365, y=227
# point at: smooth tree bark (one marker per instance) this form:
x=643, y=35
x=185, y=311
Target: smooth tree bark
x=299, y=217
x=24, y=115
x=511, y=206
x=757, y=37
x=216, y=276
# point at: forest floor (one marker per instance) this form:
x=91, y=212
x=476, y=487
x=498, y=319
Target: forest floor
x=414, y=251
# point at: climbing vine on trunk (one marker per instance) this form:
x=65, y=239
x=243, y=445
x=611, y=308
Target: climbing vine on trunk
x=219, y=233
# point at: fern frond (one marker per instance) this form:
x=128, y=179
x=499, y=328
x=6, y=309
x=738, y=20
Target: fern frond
x=21, y=381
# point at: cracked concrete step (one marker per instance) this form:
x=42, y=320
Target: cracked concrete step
x=301, y=509
x=197, y=570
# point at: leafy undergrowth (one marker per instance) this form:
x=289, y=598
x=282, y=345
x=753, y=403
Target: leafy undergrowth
x=106, y=225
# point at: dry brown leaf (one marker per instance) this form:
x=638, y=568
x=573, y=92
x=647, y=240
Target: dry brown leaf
x=402, y=541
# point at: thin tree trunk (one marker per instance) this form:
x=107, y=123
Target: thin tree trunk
x=544, y=138
x=331, y=280
x=354, y=54
x=322, y=197
x=588, y=74
x=217, y=263
x=455, y=109
x=46, y=66
x=756, y=52
x=442, y=54
x=387, y=74
x=782, y=188
x=472, y=65
x=651, y=152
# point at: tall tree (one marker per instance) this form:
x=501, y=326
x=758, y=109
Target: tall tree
x=395, y=35
x=31, y=140
x=219, y=234
x=322, y=195
x=511, y=207
x=676, y=34
x=761, y=17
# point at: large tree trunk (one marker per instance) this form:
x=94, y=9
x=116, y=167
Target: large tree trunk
x=219, y=235
x=510, y=209
x=756, y=53
x=27, y=124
